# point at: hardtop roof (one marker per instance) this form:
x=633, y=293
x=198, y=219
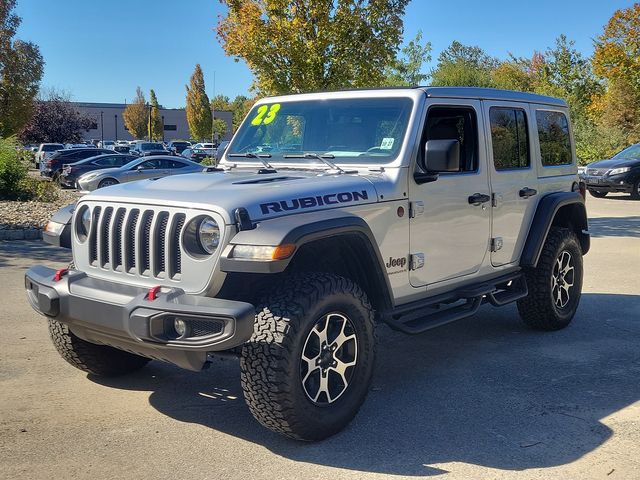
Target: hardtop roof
x=491, y=94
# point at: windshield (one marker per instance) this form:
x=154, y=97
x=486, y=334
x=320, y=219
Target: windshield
x=151, y=146
x=631, y=152
x=52, y=148
x=353, y=130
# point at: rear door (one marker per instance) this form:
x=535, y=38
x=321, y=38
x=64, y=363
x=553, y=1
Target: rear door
x=514, y=179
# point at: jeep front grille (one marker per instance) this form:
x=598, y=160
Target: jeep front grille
x=142, y=242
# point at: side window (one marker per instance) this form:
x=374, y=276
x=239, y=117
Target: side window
x=104, y=162
x=509, y=137
x=172, y=164
x=150, y=164
x=455, y=123
x=555, y=141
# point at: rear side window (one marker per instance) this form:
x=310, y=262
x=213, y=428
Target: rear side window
x=555, y=140
x=455, y=123
x=509, y=137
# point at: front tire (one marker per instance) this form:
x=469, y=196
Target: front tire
x=89, y=357
x=307, y=368
x=555, y=284
x=107, y=182
x=635, y=192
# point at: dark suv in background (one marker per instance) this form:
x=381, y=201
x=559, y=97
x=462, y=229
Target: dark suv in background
x=618, y=174
x=52, y=167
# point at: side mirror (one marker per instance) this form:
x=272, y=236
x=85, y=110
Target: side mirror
x=439, y=156
x=442, y=156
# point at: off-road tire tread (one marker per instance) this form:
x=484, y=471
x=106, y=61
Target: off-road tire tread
x=89, y=357
x=268, y=354
x=535, y=309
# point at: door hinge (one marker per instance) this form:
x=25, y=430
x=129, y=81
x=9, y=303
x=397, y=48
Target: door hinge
x=496, y=244
x=416, y=209
x=496, y=200
x=416, y=261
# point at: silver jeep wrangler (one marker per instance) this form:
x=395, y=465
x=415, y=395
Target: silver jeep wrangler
x=328, y=214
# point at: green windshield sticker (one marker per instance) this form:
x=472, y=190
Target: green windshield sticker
x=270, y=111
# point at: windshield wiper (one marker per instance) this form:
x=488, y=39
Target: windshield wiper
x=323, y=158
x=259, y=156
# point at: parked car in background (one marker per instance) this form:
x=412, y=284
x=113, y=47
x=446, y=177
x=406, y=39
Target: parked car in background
x=74, y=145
x=138, y=169
x=52, y=167
x=202, y=150
x=121, y=148
x=45, y=150
x=108, y=144
x=618, y=174
x=178, y=146
x=149, y=148
x=71, y=172
x=220, y=150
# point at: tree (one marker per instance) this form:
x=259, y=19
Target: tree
x=219, y=128
x=136, y=116
x=154, y=124
x=198, y=108
x=55, y=120
x=462, y=65
x=221, y=103
x=21, y=68
x=311, y=45
x=406, y=70
x=240, y=107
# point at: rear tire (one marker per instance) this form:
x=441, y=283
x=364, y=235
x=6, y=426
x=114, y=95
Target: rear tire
x=598, y=194
x=307, y=368
x=91, y=358
x=555, y=285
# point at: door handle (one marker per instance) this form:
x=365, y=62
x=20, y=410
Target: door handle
x=527, y=192
x=478, y=199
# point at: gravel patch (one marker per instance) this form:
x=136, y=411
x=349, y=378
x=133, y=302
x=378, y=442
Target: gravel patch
x=33, y=215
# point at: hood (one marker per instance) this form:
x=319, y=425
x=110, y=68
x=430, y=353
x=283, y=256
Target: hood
x=615, y=163
x=263, y=195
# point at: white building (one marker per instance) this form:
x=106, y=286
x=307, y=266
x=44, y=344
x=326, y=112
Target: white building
x=108, y=123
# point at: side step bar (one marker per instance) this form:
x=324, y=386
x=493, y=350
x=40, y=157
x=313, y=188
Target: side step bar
x=423, y=315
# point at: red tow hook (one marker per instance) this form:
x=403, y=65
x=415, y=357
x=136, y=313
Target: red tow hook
x=153, y=293
x=59, y=274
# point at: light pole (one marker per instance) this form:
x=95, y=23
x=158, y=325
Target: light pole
x=149, y=123
x=101, y=127
x=115, y=117
x=213, y=111
x=163, y=128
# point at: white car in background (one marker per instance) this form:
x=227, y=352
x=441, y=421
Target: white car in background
x=108, y=144
x=45, y=150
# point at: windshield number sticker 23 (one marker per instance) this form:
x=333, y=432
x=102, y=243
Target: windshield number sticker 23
x=270, y=111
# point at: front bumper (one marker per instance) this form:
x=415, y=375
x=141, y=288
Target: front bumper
x=613, y=183
x=124, y=317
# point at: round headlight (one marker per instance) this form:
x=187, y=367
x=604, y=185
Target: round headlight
x=208, y=235
x=83, y=224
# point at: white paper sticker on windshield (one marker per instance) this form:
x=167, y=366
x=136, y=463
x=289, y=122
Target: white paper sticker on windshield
x=387, y=143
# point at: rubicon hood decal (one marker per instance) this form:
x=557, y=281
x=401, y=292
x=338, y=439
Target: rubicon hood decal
x=315, y=201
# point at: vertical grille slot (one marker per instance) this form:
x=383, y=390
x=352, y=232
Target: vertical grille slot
x=129, y=238
x=175, y=254
x=103, y=238
x=145, y=242
x=93, y=235
x=116, y=238
x=159, y=243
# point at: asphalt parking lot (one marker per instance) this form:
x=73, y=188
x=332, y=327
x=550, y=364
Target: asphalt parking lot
x=481, y=398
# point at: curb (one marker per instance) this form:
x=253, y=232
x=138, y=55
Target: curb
x=22, y=234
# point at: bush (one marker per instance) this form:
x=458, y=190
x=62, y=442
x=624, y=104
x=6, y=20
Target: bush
x=38, y=190
x=208, y=162
x=12, y=170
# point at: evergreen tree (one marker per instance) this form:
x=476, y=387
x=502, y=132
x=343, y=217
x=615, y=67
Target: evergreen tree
x=155, y=126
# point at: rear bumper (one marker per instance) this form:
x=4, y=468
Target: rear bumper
x=122, y=316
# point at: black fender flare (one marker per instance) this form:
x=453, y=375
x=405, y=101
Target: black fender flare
x=559, y=208
x=298, y=232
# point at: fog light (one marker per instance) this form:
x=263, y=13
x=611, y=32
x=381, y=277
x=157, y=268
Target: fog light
x=180, y=327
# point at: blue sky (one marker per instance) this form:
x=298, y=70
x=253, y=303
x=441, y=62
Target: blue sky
x=100, y=50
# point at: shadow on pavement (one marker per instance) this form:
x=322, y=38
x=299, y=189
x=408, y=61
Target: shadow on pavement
x=13, y=252
x=484, y=391
x=615, y=227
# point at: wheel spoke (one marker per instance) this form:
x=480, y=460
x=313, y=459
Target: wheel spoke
x=341, y=339
x=322, y=334
x=324, y=387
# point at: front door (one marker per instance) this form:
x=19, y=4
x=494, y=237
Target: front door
x=450, y=222
x=514, y=180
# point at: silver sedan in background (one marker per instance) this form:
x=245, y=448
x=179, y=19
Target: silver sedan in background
x=139, y=169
